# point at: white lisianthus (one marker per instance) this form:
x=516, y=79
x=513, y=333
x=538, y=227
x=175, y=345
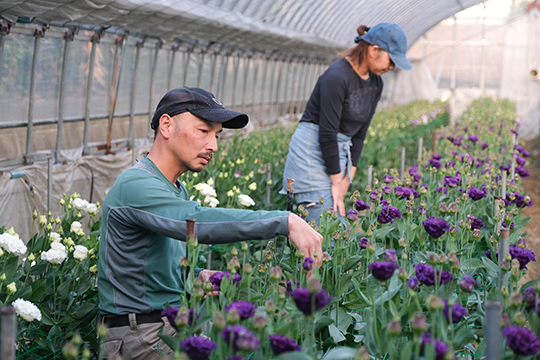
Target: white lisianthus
x=80, y=252
x=252, y=186
x=58, y=246
x=27, y=310
x=12, y=244
x=92, y=209
x=55, y=237
x=76, y=226
x=245, y=200
x=191, y=197
x=207, y=190
x=212, y=201
x=198, y=187
x=79, y=204
x=56, y=255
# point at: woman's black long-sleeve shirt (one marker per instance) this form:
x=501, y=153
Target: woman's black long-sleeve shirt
x=342, y=102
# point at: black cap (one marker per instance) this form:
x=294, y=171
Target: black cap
x=200, y=103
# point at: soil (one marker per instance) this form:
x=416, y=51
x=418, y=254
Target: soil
x=531, y=186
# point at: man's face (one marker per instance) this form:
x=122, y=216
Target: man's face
x=194, y=141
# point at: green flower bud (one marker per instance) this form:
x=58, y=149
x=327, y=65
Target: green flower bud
x=49, y=227
x=520, y=318
x=3, y=277
x=102, y=331
x=70, y=351
x=42, y=221
x=233, y=317
x=393, y=328
x=248, y=269
x=234, y=251
x=34, y=215
x=219, y=320
x=362, y=354
x=434, y=303
x=244, y=246
x=11, y=288
x=270, y=307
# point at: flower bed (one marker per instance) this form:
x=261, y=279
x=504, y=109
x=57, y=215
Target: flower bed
x=404, y=276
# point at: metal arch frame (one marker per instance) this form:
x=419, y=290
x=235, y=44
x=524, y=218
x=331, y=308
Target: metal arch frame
x=115, y=85
x=254, y=85
x=279, y=8
x=236, y=66
x=265, y=60
x=151, y=87
x=89, y=82
x=338, y=17
x=318, y=15
x=131, y=130
x=284, y=10
x=307, y=14
x=300, y=5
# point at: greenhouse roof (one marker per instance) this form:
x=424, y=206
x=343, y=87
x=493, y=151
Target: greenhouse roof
x=307, y=27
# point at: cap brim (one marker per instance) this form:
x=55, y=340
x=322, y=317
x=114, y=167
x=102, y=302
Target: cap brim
x=401, y=61
x=230, y=119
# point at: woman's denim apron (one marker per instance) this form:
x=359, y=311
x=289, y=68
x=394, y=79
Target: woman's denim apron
x=305, y=164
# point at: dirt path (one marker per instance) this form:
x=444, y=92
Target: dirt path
x=531, y=186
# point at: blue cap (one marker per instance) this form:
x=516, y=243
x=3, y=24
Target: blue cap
x=390, y=38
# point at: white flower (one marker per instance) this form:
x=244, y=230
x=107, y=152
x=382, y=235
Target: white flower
x=79, y=204
x=245, y=200
x=92, y=209
x=58, y=246
x=55, y=237
x=27, y=310
x=12, y=244
x=207, y=190
x=76, y=226
x=213, y=202
x=80, y=252
x=56, y=255
x=198, y=187
x=252, y=186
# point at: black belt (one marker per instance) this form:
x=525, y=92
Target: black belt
x=123, y=320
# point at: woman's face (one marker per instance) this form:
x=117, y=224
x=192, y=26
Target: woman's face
x=379, y=61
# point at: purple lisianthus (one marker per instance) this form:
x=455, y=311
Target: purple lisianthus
x=382, y=270
x=444, y=276
x=387, y=190
x=473, y=138
x=529, y=296
x=435, y=163
x=435, y=227
x=521, y=340
x=172, y=312
x=402, y=192
x=525, y=153
x=374, y=195
x=426, y=275
x=363, y=243
x=475, y=223
x=361, y=205
x=290, y=287
x=519, y=148
x=456, y=142
x=395, y=213
x=485, y=145
x=390, y=255
x=524, y=256
x=244, y=308
x=467, y=283
x=384, y=218
x=452, y=181
x=476, y=194
x=281, y=344
x=520, y=161
x=412, y=283
x=458, y=312
x=352, y=214
x=440, y=348
x=217, y=278
x=198, y=348
x=240, y=338
x=388, y=179
x=307, y=265
x=417, y=177
x=413, y=170
x=303, y=300
x=488, y=255
x=524, y=173
x=436, y=156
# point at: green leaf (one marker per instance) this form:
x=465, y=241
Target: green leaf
x=336, y=334
x=324, y=321
x=351, y=262
x=343, y=353
x=406, y=353
x=344, y=283
x=293, y=356
x=83, y=310
x=38, y=289
x=62, y=291
x=171, y=341
x=46, y=316
x=491, y=267
x=472, y=264
x=344, y=319
x=464, y=336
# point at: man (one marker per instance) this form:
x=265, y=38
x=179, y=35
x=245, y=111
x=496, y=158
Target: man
x=143, y=231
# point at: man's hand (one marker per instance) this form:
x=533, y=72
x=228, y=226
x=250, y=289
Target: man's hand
x=305, y=238
x=204, y=275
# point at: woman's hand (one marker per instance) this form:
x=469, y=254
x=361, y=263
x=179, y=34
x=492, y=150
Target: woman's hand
x=339, y=189
x=204, y=275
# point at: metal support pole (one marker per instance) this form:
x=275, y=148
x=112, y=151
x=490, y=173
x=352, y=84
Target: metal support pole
x=190, y=229
x=9, y=331
x=420, y=149
x=187, y=58
x=293, y=83
x=28, y=157
x=272, y=82
x=247, y=63
x=503, y=185
x=236, y=65
x=115, y=85
x=174, y=50
x=492, y=330
x=223, y=77
x=402, y=172
x=483, y=55
x=265, y=61
x=299, y=90
x=151, y=89
x=213, y=71
x=268, y=179
x=453, y=76
x=95, y=40
x=254, y=88
x=131, y=131
x=2, y=40
x=49, y=184
x=68, y=38
x=283, y=105
x=276, y=103
x=200, y=66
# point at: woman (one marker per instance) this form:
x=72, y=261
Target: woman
x=326, y=146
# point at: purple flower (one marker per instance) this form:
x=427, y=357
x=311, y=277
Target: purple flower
x=374, y=195
x=413, y=170
x=525, y=153
x=521, y=340
x=307, y=264
x=172, y=312
x=452, y=181
x=467, y=283
x=412, y=283
x=352, y=214
x=426, y=275
x=236, y=357
x=524, y=256
x=435, y=163
x=457, y=142
x=217, y=278
x=402, y=192
x=361, y=205
x=458, y=312
x=524, y=173
x=519, y=148
x=436, y=156
x=529, y=296
x=198, y=348
x=485, y=145
x=388, y=179
x=244, y=308
x=390, y=255
x=281, y=344
x=387, y=190
x=475, y=223
x=476, y=194
x=382, y=270
x=303, y=300
x=394, y=213
x=435, y=227
x=440, y=348
x=290, y=285
x=520, y=161
x=363, y=243
x=240, y=339
x=417, y=177
x=384, y=218
x=473, y=138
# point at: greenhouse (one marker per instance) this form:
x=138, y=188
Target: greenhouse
x=381, y=202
